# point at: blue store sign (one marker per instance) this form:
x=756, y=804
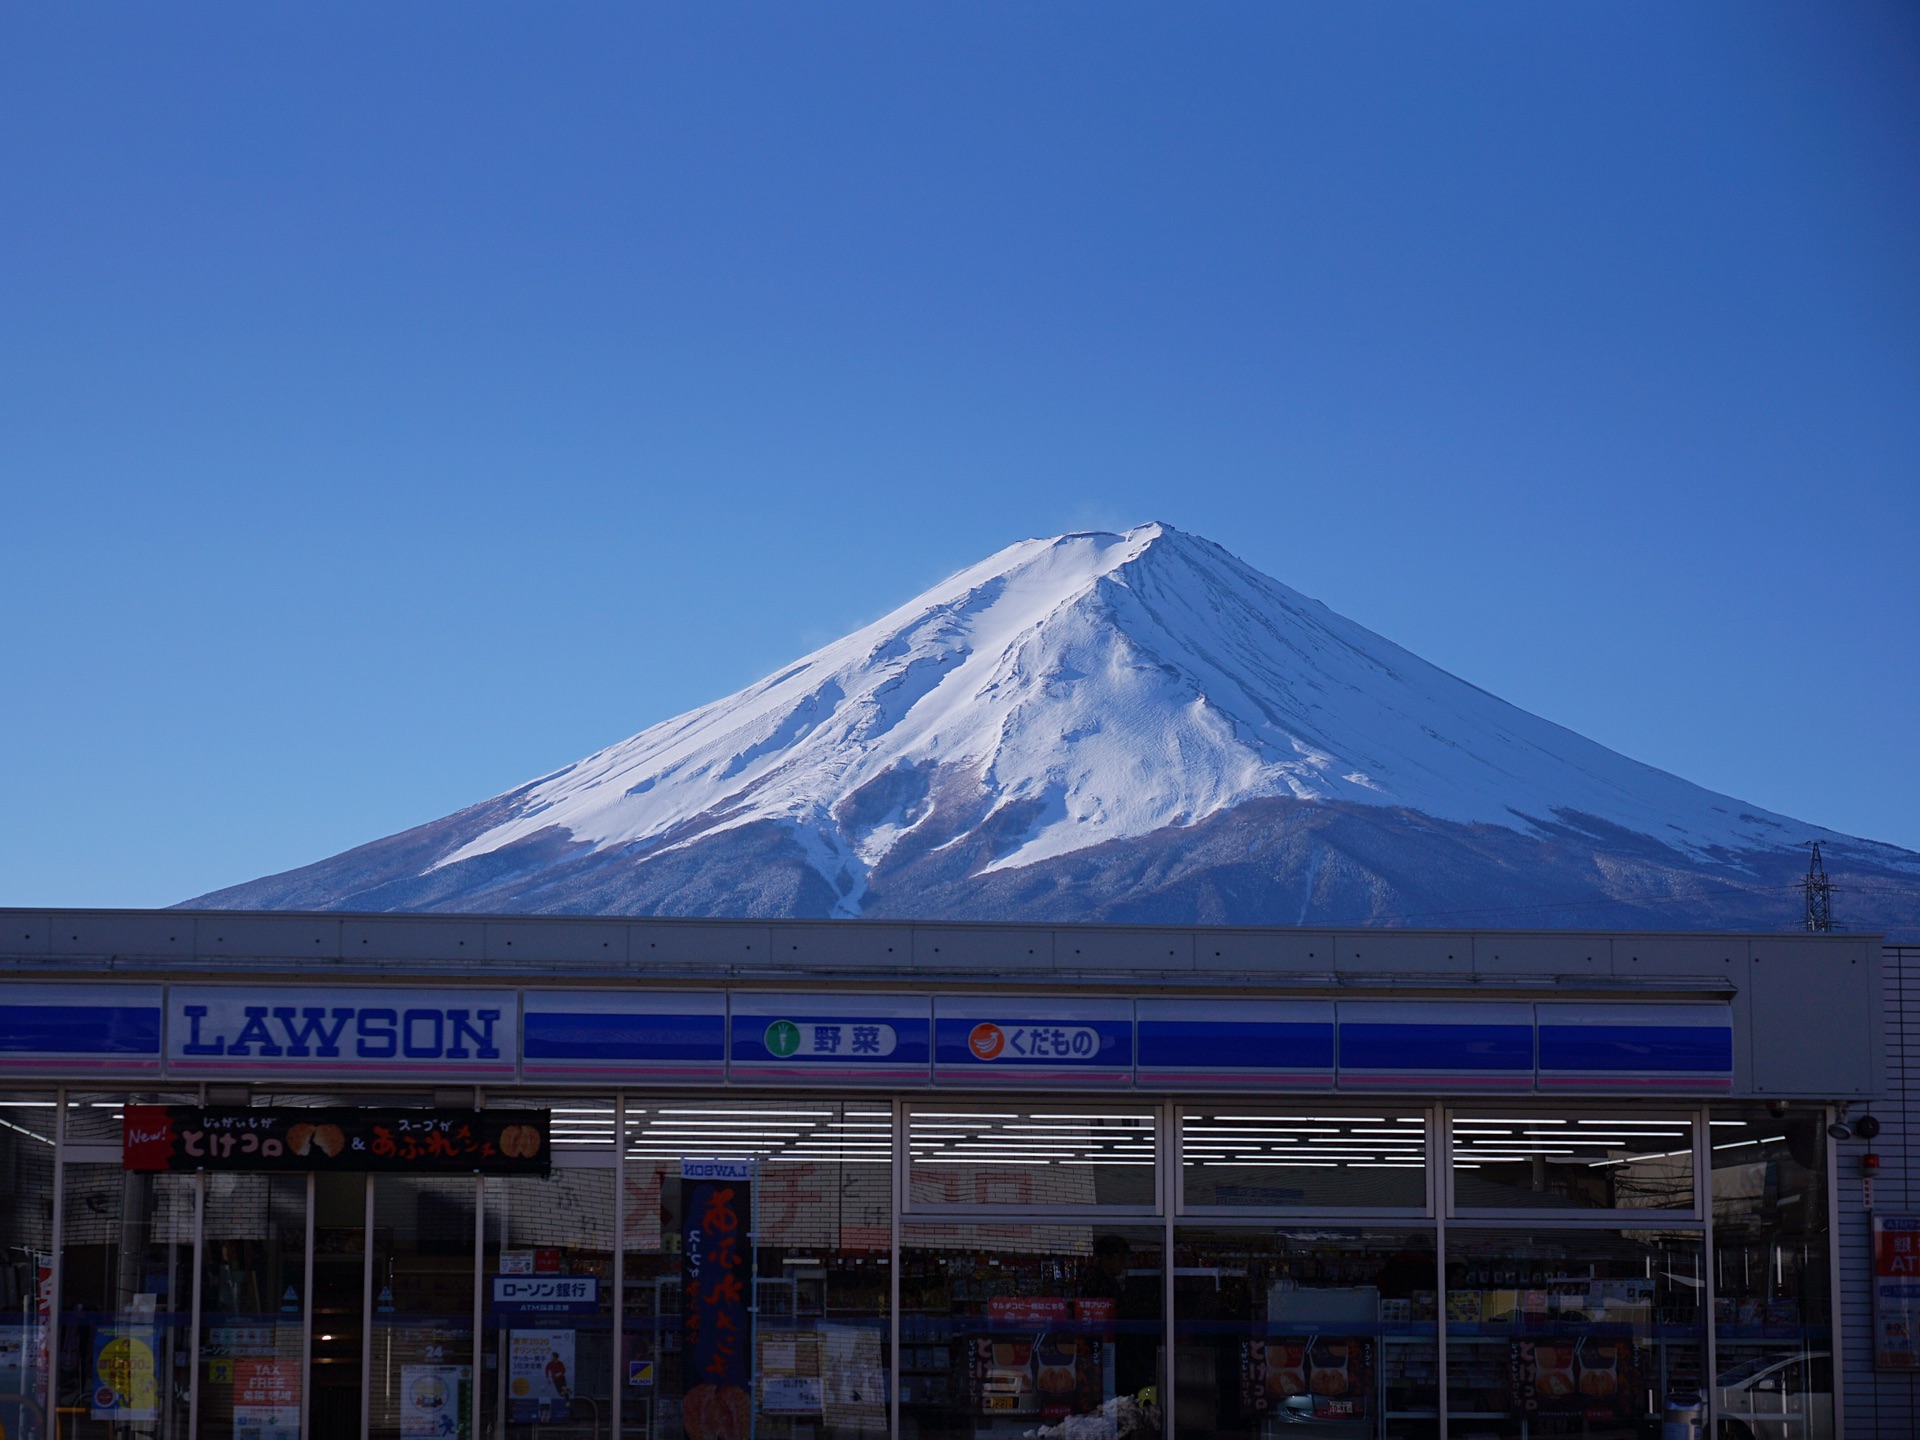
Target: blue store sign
x=852, y=1038
x=658, y=1036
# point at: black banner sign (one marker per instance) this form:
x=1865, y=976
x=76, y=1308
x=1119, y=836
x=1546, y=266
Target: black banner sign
x=452, y=1142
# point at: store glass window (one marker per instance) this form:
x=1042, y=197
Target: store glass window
x=1332, y=1332
x=126, y=1286
x=252, y=1305
x=1573, y=1332
x=27, y=1126
x=1504, y=1160
x=1287, y=1157
x=819, y=1205
x=96, y=1119
x=1010, y=1328
x=1049, y=1159
x=422, y=1340
x=1773, y=1326
x=548, y=1296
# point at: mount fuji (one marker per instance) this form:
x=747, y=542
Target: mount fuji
x=1131, y=727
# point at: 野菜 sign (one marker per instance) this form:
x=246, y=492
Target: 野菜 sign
x=203, y=1137
x=787, y=1038
x=859, y=1039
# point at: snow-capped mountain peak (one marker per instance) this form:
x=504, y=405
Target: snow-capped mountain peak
x=1094, y=687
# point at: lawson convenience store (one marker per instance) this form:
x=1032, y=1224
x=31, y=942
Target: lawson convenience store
x=276, y=1176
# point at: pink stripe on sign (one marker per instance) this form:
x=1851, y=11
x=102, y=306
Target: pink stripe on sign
x=614, y=1069
x=68, y=1062
x=964, y=1076
x=1442, y=1083
x=340, y=1069
x=1680, y=1084
x=1257, y=1079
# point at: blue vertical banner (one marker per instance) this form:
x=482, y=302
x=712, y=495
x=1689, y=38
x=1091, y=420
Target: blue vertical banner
x=716, y=1288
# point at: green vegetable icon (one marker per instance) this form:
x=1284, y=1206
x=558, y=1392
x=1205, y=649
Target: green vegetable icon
x=783, y=1038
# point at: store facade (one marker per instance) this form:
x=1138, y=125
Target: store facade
x=516, y=1178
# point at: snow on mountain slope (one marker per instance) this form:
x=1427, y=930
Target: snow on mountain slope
x=1091, y=688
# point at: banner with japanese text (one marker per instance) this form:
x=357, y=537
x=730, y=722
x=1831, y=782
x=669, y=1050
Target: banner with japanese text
x=241, y=1137
x=716, y=1230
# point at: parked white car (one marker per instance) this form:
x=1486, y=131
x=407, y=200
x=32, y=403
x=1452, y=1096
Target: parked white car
x=1778, y=1397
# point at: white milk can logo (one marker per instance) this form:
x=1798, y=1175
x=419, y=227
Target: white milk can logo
x=830, y=1040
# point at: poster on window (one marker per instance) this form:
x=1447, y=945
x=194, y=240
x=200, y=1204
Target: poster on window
x=1580, y=1376
x=716, y=1276
x=540, y=1371
x=1318, y=1377
x=788, y=1366
x=854, y=1395
x=1047, y=1356
x=1896, y=1292
x=433, y=1402
x=266, y=1399
x=126, y=1384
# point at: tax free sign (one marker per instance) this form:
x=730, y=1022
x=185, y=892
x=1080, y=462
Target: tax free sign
x=270, y=1030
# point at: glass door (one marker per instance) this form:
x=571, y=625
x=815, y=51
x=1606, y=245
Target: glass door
x=339, y=1278
x=126, y=1280
x=253, y=1307
x=421, y=1381
x=549, y=1306
x=27, y=1124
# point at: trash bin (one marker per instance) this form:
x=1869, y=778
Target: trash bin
x=1685, y=1417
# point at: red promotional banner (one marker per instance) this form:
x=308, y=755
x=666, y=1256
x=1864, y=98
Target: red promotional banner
x=205, y=1137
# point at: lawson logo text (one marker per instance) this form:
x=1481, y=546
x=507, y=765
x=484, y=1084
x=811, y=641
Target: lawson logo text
x=340, y=1032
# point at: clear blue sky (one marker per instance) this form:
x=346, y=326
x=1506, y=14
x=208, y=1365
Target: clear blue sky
x=398, y=402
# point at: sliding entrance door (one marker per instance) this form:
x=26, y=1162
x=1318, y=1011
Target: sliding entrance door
x=253, y=1289
x=339, y=1291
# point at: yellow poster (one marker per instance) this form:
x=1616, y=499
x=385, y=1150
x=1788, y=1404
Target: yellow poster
x=125, y=1378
